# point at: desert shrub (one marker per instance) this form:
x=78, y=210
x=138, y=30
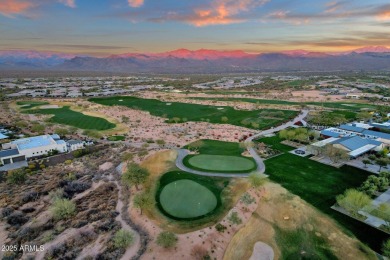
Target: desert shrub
x=166, y=239
x=234, y=218
x=220, y=228
x=68, y=162
x=56, y=194
x=199, y=252
x=30, y=196
x=256, y=180
x=17, y=218
x=63, y=209
x=18, y=176
x=80, y=152
x=247, y=199
x=6, y=212
x=123, y=238
x=71, y=188
x=47, y=237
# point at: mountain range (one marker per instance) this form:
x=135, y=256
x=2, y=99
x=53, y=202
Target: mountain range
x=373, y=58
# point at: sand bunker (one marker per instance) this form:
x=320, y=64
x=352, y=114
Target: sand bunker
x=262, y=251
x=49, y=106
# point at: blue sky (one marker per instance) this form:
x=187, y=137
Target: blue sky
x=101, y=27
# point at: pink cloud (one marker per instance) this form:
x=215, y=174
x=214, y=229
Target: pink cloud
x=12, y=7
x=135, y=3
x=221, y=12
x=70, y=3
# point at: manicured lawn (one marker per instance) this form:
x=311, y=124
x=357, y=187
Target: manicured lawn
x=221, y=163
x=219, y=156
x=187, y=199
x=181, y=112
x=66, y=116
x=219, y=148
x=116, y=138
x=30, y=104
x=336, y=105
x=319, y=185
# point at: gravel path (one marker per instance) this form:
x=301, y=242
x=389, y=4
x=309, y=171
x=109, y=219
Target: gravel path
x=181, y=153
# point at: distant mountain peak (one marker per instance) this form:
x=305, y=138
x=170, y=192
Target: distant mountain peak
x=372, y=49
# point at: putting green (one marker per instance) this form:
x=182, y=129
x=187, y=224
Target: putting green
x=187, y=199
x=221, y=163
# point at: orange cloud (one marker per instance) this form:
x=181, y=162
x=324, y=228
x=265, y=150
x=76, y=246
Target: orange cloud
x=135, y=3
x=12, y=7
x=384, y=15
x=222, y=12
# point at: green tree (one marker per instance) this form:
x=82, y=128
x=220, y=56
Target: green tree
x=166, y=239
x=135, y=175
x=353, y=200
x=123, y=238
x=283, y=134
x=17, y=176
x=143, y=201
x=364, y=115
x=383, y=212
x=382, y=162
x=386, y=248
x=366, y=162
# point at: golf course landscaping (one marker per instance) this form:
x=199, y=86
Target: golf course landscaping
x=66, y=116
x=219, y=156
x=176, y=112
x=178, y=199
x=319, y=184
x=184, y=196
x=220, y=163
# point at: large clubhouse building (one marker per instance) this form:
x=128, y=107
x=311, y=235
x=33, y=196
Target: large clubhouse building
x=356, y=138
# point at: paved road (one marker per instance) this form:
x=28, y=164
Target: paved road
x=252, y=151
x=181, y=153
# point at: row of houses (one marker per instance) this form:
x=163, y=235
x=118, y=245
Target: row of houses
x=355, y=138
x=21, y=150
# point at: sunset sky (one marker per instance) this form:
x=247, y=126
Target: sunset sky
x=102, y=27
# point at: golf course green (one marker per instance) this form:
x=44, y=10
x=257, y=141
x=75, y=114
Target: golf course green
x=221, y=163
x=187, y=199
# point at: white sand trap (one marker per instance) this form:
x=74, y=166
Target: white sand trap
x=120, y=100
x=220, y=108
x=262, y=251
x=49, y=106
x=349, y=105
x=168, y=104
